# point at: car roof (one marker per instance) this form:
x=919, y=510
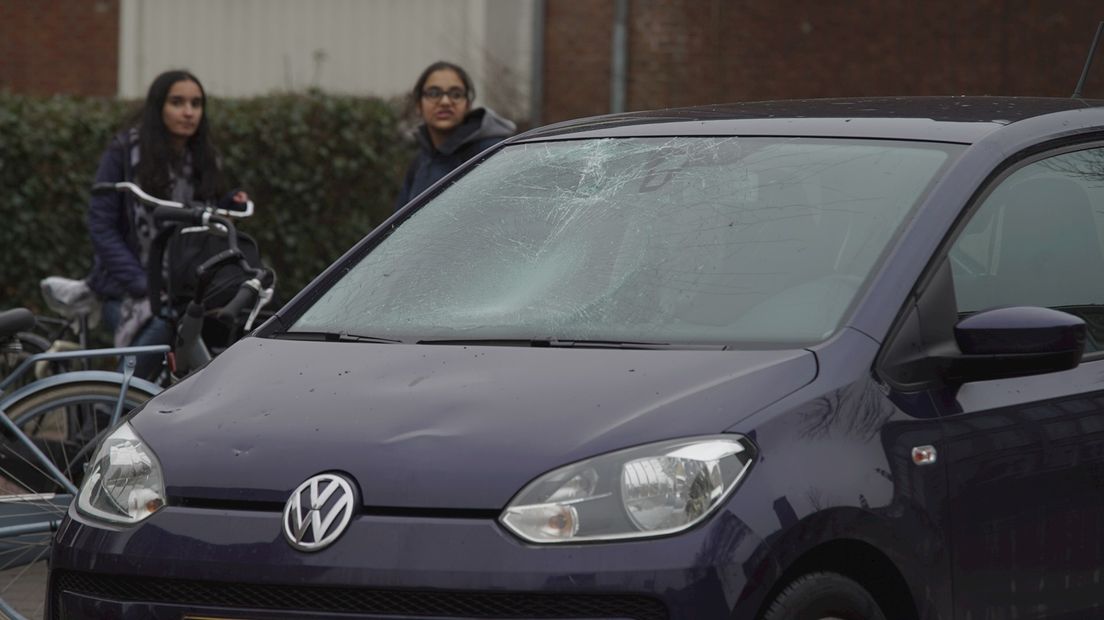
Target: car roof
x=962, y=120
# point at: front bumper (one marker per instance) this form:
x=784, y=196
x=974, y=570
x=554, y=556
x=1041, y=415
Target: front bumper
x=214, y=563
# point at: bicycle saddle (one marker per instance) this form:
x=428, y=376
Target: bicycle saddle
x=15, y=320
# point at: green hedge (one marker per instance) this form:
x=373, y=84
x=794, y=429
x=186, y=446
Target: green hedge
x=322, y=170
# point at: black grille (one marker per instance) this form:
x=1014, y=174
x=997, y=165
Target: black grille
x=402, y=603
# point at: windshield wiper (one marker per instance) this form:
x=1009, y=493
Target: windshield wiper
x=334, y=337
x=568, y=344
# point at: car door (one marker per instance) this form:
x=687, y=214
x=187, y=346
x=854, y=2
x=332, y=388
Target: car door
x=1025, y=456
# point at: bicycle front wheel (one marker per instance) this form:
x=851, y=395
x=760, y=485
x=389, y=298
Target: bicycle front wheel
x=64, y=421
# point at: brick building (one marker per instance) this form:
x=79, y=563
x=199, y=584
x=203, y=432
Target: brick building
x=59, y=46
x=687, y=52
x=675, y=52
x=245, y=48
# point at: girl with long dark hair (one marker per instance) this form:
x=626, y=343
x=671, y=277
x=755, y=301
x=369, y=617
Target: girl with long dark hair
x=168, y=152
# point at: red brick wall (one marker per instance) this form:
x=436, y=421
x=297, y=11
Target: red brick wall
x=688, y=52
x=59, y=46
x=576, y=58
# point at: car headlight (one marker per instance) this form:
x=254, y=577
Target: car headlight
x=124, y=482
x=650, y=490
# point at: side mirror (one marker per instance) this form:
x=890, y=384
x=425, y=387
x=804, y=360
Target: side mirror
x=1015, y=342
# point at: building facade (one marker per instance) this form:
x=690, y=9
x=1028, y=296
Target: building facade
x=242, y=48
x=549, y=60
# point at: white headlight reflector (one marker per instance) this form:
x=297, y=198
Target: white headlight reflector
x=550, y=521
x=124, y=483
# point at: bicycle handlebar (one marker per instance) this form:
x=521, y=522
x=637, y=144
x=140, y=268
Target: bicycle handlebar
x=256, y=291
x=176, y=214
x=246, y=295
x=146, y=199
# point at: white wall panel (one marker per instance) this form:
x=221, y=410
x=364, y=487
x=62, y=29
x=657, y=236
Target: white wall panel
x=240, y=48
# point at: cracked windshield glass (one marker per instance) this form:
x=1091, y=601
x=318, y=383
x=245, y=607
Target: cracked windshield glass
x=680, y=240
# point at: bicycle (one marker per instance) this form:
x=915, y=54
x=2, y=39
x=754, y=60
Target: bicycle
x=188, y=305
x=48, y=430
x=51, y=424
x=222, y=286
x=21, y=345
x=75, y=309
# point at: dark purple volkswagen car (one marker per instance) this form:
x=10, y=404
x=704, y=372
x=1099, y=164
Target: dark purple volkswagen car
x=817, y=359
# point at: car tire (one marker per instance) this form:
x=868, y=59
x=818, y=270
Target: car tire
x=824, y=596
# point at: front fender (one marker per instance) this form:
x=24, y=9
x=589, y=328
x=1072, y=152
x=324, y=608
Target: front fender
x=76, y=377
x=837, y=468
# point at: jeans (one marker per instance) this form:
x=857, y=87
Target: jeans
x=156, y=331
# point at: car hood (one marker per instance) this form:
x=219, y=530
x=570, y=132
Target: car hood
x=438, y=427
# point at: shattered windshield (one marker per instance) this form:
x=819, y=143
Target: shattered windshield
x=673, y=239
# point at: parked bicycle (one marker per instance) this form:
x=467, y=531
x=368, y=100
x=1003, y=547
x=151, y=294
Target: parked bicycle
x=75, y=311
x=53, y=411
x=48, y=430
x=213, y=282
x=215, y=289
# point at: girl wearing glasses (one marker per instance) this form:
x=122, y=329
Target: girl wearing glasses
x=451, y=131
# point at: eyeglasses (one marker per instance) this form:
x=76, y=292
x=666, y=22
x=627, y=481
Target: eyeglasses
x=434, y=94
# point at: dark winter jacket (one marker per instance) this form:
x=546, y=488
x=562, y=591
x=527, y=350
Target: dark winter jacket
x=481, y=129
x=116, y=270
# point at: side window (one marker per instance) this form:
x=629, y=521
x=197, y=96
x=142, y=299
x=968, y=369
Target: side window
x=1037, y=241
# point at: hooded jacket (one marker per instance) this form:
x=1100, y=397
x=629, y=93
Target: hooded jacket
x=481, y=129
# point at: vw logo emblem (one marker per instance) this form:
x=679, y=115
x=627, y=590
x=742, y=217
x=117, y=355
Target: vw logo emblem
x=318, y=512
